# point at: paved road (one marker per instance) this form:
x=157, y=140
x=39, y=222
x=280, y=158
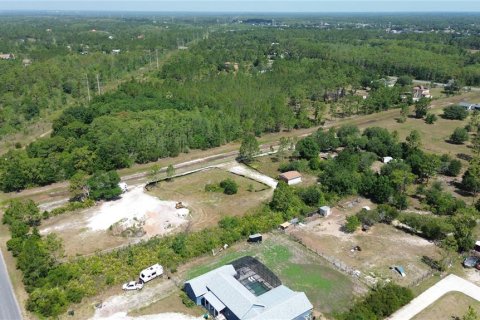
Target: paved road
x=448, y=284
x=8, y=303
x=438, y=84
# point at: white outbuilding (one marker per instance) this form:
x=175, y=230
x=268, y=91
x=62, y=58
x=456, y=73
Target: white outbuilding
x=387, y=159
x=325, y=211
x=291, y=177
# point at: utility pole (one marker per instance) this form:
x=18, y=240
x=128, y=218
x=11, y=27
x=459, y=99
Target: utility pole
x=98, y=84
x=88, y=88
x=156, y=54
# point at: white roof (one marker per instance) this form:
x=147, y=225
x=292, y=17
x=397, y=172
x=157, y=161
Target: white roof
x=233, y=294
x=477, y=243
x=199, y=284
x=214, y=302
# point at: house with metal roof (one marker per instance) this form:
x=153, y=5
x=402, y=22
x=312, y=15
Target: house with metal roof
x=246, y=289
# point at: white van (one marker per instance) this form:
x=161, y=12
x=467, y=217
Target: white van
x=151, y=272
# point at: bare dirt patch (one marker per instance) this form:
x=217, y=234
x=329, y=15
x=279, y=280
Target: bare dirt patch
x=207, y=208
x=382, y=247
x=87, y=231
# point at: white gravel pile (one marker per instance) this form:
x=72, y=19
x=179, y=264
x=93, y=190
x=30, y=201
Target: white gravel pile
x=160, y=216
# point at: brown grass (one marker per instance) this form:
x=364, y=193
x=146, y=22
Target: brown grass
x=207, y=208
x=451, y=305
x=172, y=303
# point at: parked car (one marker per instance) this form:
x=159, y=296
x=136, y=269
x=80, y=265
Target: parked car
x=132, y=285
x=470, y=262
x=477, y=265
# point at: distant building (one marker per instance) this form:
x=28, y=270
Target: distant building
x=291, y=177
x=26, y=62
x=285, y=225
x=420, y=92
x=247, y=289
x=116, y=51
x=389, y=81
x=7, y=56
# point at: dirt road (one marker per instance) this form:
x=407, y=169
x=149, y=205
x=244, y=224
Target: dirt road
x=448, y=284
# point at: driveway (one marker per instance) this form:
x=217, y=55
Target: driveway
x=448, y=284
x=8, y=303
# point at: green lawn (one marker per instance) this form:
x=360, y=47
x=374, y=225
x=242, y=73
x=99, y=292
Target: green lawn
x=301, y=270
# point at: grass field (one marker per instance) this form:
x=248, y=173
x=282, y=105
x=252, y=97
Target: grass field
x=297, y=267
x=448, y=307
x=207, y=208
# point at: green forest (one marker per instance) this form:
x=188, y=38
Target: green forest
x=226, y=80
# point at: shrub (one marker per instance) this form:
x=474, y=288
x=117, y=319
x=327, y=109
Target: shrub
x=71, y=206
x=213, y=187
x=229, y=186
x=307, y=148
x=453, y=168
x=352, y=224
x=186, y=300
x=298, y=165
x=431, y=118
x=459, y=136
x=312, y=196
x=455, y=113
x=104, y=185
x=380, y=303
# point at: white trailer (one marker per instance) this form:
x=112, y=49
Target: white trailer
x=151, y=272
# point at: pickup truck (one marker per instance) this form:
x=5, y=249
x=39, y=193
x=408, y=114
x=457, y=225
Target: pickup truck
x=132, y=285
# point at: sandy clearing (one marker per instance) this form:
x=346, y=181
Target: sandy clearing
x=159, y=216
x=244, y=171
x=132, y=300
x=160, y=316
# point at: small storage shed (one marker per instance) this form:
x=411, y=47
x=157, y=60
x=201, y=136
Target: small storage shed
x=257, y=237
x=285, y=225
x=325, y=211
x=291, y=177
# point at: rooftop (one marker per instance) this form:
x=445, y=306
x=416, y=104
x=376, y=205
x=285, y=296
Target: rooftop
x=290, y=175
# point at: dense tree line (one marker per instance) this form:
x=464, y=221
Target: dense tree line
x=233, y=83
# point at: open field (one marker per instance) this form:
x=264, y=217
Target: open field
x=382, y=247
x=207, y=208
x=434, y=136
x=451, y=305
x=297, y=267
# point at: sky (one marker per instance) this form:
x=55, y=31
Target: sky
x=254, y=6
